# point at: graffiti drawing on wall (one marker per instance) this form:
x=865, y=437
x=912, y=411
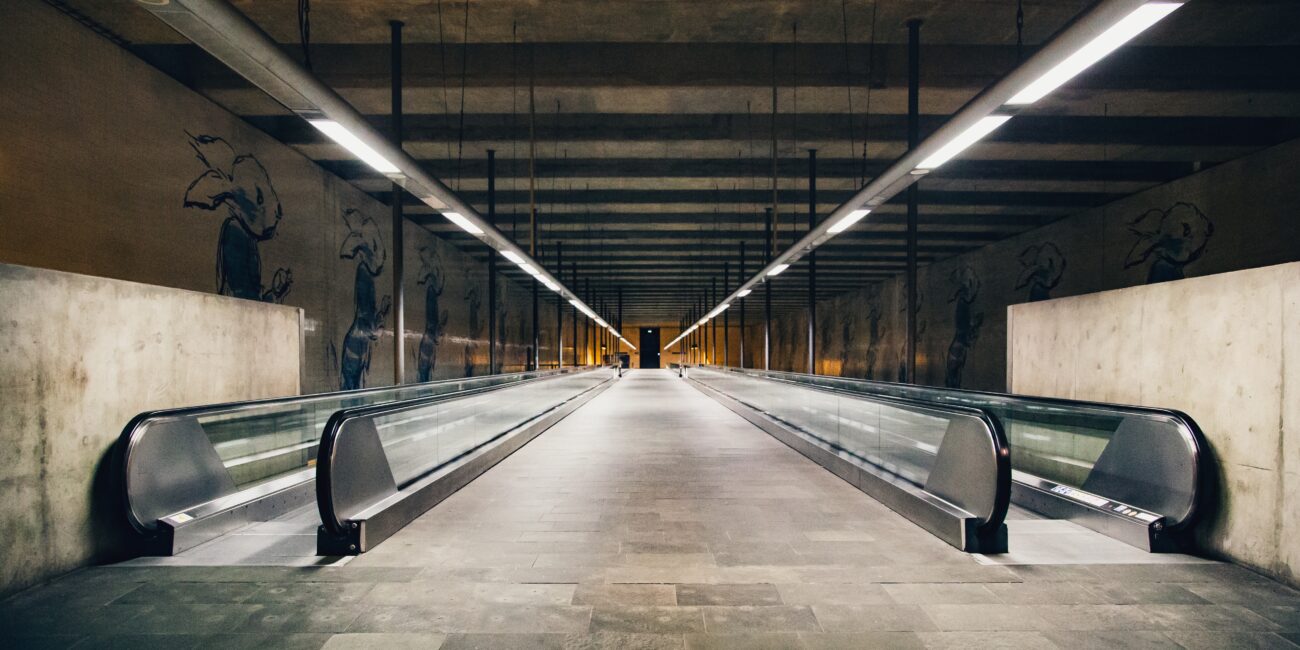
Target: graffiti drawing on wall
x=243, y=187
x=435, y=320
x=966, y=323
x=503, y=317
x=472, y=303
x=920, y=329
x=875, y=312
x=1041, y=268
x=1171, y=239
x=365, y=245
x=848, y=330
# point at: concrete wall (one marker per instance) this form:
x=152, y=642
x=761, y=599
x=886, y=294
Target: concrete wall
x=110, y=168
x=1234, y=216
x=80, y=356
x=1223, y=348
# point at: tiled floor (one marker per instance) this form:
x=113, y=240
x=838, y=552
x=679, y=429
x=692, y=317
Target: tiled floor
x=655, y=518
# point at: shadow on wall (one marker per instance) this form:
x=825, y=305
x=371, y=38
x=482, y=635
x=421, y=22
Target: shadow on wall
x=1170, y=239
x=243, y=187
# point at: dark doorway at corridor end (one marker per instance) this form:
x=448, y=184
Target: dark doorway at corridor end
x=649, y=347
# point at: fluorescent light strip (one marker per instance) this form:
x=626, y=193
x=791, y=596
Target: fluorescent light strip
x=777, y=270
x=1110, y=40
x=970, y=136
x=848, y=221
x=465, y=224
x=512, y=256
x=744, y=293
x=352, y=143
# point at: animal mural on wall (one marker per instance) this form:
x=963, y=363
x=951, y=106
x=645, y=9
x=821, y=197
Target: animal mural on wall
x=240, y=184
x=473, y=303
x=826, y=333
x=848, y=329
x=1042, y=266
x=874, y=314
x=434, y=281
x=921, y=324
x=503, y=317
x=1171, y=238
x=365, y=245
x=966, y=323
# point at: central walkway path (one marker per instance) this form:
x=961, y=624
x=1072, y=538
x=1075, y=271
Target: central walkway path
x=655, y=518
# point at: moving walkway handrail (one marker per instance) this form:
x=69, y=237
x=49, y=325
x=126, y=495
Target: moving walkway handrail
x=1181, y=424
x=326, y=479
x=183, y=420
x=991, y=520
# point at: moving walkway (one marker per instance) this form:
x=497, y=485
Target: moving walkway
x=1135, y=474
x=191, y=475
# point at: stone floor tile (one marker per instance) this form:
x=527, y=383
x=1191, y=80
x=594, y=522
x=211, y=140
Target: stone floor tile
x=872, y=618
x=853, y=641
x=993, y=618
x=747, y=619
x=941, y=594
x=755, y=641
x=1237, y=640
x=647, y=619
x=987, y=640
x=385, y=641
x=728, y=594
x=625, y=594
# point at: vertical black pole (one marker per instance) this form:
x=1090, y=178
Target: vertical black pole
x=767, y=296
x=812, y=264
x=492, y=264
x=399, y=244
x=619, y=344
x=536, y=357
x=573, y=266
x=726, y=315
x=559, y=309
x=741, y=276
x=913, y=136
x=713, y=324
x=586, y=282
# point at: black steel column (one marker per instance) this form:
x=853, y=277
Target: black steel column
x=535, y=357
x=619, y=343
x=559, y=309
x=726, y=315
x=913, y=137
x=741, y=276
x=767, y=296
x=713, y=299
x=492, y=264
x=812, y=264
x=399, y=244
x=573, y=284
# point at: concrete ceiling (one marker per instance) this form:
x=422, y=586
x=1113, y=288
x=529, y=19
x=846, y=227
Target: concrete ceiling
x=654, y=120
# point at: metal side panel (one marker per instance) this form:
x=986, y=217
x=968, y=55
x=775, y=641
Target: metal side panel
x=1038, y=495
x=380, y=521
x=940, y=518
x=182, y=531
x=172, y=468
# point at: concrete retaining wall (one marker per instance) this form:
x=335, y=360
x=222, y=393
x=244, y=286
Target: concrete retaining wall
x=79, y=356
x=1223, y=348
x=111, y=168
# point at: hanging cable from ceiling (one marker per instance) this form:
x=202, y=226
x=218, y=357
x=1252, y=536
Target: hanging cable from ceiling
x=848, y=80
x=442, y=55
x=460, y=129
x=871, y=73
x=1020, y=30
x=304, y=31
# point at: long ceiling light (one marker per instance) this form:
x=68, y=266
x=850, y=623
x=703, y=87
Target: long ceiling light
x=1108, y=41
x=970, y=136
x=352, y=143
x=229, y=36
x=1089, y=38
